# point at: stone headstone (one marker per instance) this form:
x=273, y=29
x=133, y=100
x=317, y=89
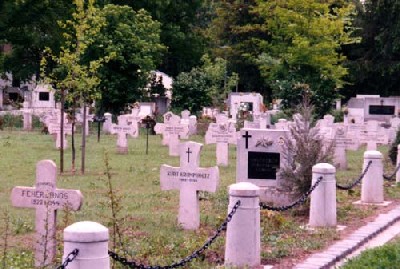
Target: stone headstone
x=107, y=125
x=189, y=178
x=192, y=125
x=282, y=124
x=190, y=120
x=259, y=156
x=222, y=133
x=54, y=127
x=341, y=142
x=46, y=199
x=172, y=129
x=123, y=129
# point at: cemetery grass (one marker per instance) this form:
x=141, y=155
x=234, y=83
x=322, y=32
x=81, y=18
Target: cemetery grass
x=148, y=216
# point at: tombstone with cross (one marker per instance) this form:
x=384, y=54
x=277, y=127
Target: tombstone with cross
x=54, y=127
x=189, y=179
x=222, y=133
x=89, y=117
x=122, y=130
x=46, y=199
x=259, y=155
x=172, y=129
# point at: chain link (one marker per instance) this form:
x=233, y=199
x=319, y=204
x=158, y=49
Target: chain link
x=349, y=187
x=391, y=177
x=70, y=257
x=301, y=200
x=194, y=255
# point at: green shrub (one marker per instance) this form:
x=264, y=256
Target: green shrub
x=304, y=148
x=11, y=121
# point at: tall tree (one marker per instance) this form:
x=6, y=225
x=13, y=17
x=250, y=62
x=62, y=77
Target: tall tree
x=304, y=48
x=130, y=40
x=234, y=33
x=73, y=73
x=180, y=31
x=30, y=26
x=374, y=63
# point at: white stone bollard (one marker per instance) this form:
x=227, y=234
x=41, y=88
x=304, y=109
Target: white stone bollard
x=91, y=239
x=397, y=164
x=372, y=183
x=243, y=231
x=107, y=125
x=323, y=198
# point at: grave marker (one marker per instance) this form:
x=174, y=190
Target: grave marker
x=46, y=199
x=259, y=156
x=222, y=134
x=122, y=130
x=54, y=127
x=189, y=178
x=172, y=129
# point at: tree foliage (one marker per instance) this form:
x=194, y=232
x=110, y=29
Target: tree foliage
x=180, y=31
x=206, y=85
x=131, y=42
x=31, y=26
x=375, y=62
x=304, y=47
x=234, y=34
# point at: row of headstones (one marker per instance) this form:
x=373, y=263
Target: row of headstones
x=243, y=232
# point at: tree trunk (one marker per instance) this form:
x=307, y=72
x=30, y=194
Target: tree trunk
x=83, y=140
x=62, y=132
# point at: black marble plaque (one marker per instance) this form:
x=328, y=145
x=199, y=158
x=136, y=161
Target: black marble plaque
x=263, y=165
x=381, y=110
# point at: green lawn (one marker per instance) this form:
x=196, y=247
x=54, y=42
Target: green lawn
x=148, y=216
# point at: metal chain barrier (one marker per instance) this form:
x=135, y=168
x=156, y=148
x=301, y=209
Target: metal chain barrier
x=349, y=187
x=70, y=257
x=301, y=200
x=392, y=176
x=194, y=255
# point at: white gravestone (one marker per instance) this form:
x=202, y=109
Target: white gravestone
x=107, y=125
x=55, y=128
x=132, y=119
x=172, y=128
x=189, y=178
x=259, y=156
x=191, y=121
x=222, y=133
x=341, y=142
x=46, y=199
x=122, y=130
x=282, y=124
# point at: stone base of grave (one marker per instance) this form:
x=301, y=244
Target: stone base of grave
x=384, y=203
x=275, y=196
x=122, y=150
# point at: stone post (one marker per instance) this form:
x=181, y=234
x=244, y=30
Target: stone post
x=323, y=198
x=107, y=125
x=27, y=120
x=91, y=239
x=372, y=183
x=243, y=231
x=397, y=164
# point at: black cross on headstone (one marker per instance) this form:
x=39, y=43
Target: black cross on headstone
x=247, y=136
x=188, y=153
